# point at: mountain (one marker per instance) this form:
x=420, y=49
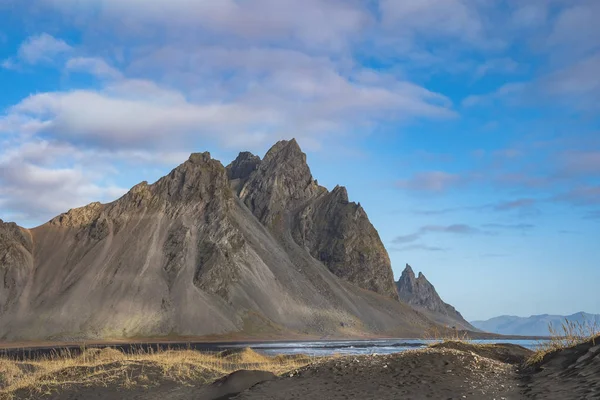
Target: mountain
x=254, y=248
x=535, y=325
x=422, y=296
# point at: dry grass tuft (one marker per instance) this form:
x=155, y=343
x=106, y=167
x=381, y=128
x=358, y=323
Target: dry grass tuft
x=569, y=334
x=447, y=335
x=102, y=367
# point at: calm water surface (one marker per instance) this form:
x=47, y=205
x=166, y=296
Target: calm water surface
x=360, y=347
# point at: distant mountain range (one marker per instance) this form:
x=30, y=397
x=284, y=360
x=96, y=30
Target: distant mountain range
x=536, y=325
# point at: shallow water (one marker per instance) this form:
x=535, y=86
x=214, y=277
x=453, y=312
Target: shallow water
x=360, y=347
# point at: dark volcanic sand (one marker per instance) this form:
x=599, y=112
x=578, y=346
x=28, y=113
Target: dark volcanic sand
x=568, y=374
x=421, y=374
x=447, y=371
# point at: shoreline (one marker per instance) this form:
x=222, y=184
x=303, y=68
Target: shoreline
x=27, y=350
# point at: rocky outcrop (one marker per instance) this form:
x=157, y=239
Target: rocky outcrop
x=243, y=166
x=255, y=248
x=281, y=183
x=16, y=263
x=421, y=295
x=282, y=193
x=339, y=233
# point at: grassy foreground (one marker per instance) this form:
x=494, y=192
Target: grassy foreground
x=566, y=336
x=101, y=367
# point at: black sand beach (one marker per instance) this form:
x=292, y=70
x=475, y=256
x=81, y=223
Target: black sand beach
x=451, y=370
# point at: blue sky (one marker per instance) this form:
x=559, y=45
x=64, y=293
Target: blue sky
x=468, y=129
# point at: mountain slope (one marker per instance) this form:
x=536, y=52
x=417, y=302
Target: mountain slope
x=205, y=250
x=535, y=325
x=422, y=296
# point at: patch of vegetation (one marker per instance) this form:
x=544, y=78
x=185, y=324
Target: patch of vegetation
x=437, y=335
x=101, y=367
x=568, y=335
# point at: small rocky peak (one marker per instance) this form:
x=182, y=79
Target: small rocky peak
x=199, y=158
x=407, y=284
x=193, y=180
x=340, y=193
x=287, y=159
x=281, y=182
x=243, y=165
x=140, y=187
x=79, y=217
x=12, y=235
x=285, y=148
x=408, y=272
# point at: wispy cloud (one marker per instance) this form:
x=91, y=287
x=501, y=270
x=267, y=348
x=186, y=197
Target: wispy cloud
x=458, y=229
x=37, y=49
x=581, y=195
x=520, y=227
x=515, y=204
x=417, y=247
x=433, y=181
x=94, y=66
x=523, y=205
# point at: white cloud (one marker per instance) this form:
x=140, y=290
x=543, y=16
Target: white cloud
x=37, y=183
x=504, y=92
x=307, y=98
x=94, y=66
x=322, y=23
x=496, y=65
x=576, y=29
x=577, y=85
x=37, y=49
x=433, y=181
x=458, y=19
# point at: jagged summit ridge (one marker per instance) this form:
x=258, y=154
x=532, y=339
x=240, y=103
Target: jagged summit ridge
x=282, y=181
x=243, y=166
x=206, y=249
x=421, y=294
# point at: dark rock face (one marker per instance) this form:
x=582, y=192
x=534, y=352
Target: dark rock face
x=283, y=195
x=281, y=184
x=193, y=254
x=339, y=234
x=16, y=262
x=243, y=166
x=421, y=294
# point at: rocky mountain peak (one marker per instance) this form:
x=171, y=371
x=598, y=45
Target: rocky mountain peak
x=199, y=158
x=285, y=148
x=12, y=233
x=418, y=291
x=341, y=193
x=421, y=294
x=282, y=180
x=243, y=166
x=197, y=179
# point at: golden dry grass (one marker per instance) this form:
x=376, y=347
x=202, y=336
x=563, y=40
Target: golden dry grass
x=569, y=334
x=446, y=335
x=102, y=367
